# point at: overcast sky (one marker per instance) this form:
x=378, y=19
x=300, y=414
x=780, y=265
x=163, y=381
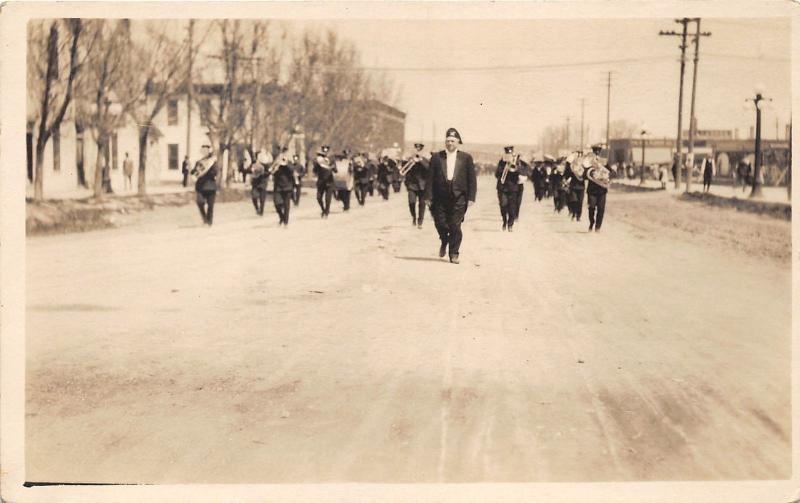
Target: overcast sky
x=505, y=81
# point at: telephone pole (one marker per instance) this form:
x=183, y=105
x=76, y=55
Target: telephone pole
x=679, y=142
x=189, y=93
x=692, y=118
x=608, y=117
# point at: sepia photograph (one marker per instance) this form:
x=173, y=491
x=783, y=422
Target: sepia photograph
x=398, y=246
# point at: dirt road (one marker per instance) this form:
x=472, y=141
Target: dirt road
x=346, y=350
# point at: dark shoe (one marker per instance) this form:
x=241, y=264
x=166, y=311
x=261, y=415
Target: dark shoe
x=443, y=250
x=504, y=226
x=510, y=229
x=597, y=229
x=454, y=259
x=419, y=225
x=591, y=227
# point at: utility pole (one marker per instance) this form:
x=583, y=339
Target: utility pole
x=756, y=186
x=583, y=102
x=692, y=118
x=608, y=118
x=679, y=141
x=189, y=94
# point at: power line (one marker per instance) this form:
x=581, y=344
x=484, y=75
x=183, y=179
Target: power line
x=506, y=68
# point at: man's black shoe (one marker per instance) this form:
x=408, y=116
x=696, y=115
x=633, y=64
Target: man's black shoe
x=443, y=250
x=454, y=259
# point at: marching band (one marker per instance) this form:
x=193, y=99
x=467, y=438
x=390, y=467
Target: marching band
x=443, y=181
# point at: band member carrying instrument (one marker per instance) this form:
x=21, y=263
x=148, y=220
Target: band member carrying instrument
x=507, y=175
x=573, y=174
x=258, y=180
x=415, y=171
x=205, y=173
x=299, y=172
x=599, y=178
x=450, y=189
x=323, y=169
x=372, y=169
x=384, y=176
x=557, y=187
x=343, y=178
x=524, y=173
x=361, y=178
x=395, y=177
x=283, y=182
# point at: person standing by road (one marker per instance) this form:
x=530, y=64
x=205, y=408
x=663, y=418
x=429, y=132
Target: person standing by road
x=451, y=188
x=185, y=171
x=205, y=172
x=708, y=174
x=127, y=171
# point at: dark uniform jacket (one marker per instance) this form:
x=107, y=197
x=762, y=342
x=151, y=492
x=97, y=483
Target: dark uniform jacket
x=259, y=176
x=299, y=169
x=361, y=174
x=575, y=183
x=384, y=172
x=207, y=182
x=324, y=176
x=512, y=178
x=464, y=181
x=283, y=179
x=417, y=176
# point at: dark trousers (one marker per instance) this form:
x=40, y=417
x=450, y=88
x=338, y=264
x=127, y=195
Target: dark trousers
x=448, y=214
x=706, y=183
x=361, y=193
x=416, y=205
x=383, y=190
x=597, y=201
x=508, y=207
x=343, y=195
x=520, y=190
x=296, y=194
x=282, y=200
x=577, y=202
x=185, y=178
x=371, y=188
x=205, y=203
x=259, y=196
x=324, y=195
x=396, y=185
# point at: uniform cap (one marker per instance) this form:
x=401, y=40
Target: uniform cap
x=509, y=149
x=453, y=133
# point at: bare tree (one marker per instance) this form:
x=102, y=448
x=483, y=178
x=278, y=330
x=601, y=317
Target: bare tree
x=160, y=62
x=53, y=64
x=622, y=128
x=108, y=69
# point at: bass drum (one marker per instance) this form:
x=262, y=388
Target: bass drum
x=343, y=178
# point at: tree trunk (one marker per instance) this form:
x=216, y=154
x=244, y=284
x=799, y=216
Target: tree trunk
x=142, y=181
x=229, y=169
x=38, y=173
x=99, y=166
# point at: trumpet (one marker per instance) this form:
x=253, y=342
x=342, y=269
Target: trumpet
x=409, y=164
x=507, y=167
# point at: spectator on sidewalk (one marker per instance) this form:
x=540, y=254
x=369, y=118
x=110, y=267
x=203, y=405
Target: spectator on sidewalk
x=127, y=171
x=185, y=170
x=708, y=174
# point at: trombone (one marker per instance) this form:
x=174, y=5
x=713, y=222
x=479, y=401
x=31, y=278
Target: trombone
x=506, y=168
x=409, y=164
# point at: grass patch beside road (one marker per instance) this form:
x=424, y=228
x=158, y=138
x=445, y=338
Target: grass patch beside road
x=717, y=225
x=80, y=215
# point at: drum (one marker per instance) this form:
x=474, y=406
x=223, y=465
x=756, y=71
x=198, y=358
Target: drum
x=343, y=177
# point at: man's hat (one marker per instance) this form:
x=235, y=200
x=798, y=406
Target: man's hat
x=419, y=146
x=262, y=157
x=453, y=132
x=209, y=147
x=324, y=149
x=509, y=149
x=548, y=158
x=597, y=146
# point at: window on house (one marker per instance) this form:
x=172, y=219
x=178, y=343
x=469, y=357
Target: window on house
x=172, y=112
x=56, y=150
x=172, y=151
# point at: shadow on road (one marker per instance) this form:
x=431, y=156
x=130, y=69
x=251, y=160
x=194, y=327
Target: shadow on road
x=421, y=259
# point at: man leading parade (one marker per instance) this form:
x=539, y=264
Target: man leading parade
x=450, y=190
x=415, y=171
